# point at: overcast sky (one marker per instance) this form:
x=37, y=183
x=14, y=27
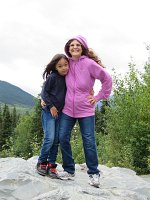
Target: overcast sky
x=32, y=31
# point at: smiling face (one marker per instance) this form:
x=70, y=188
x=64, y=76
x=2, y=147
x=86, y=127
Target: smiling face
x=62, y=67
x=75, y=49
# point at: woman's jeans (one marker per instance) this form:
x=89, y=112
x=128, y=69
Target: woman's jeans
x=87, y=128
x=49, y=148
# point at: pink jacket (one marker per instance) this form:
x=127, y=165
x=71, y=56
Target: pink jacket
x=80, y=81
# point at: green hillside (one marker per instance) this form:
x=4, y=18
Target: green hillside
x=13, y=95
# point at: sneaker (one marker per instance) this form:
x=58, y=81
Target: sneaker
x=42, y=168
x=94, y=180
x=66, y=176
x=52, y=171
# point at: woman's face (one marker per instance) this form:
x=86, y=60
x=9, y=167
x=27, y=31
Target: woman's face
x=75, y=49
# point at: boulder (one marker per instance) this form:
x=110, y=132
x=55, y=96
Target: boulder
x=20, y=181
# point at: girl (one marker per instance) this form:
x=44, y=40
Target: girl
x=85, y=68
x=53, y=94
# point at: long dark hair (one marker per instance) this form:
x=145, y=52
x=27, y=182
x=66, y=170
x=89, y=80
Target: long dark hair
x=51, y=66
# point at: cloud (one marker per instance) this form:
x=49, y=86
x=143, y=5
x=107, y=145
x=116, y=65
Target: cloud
x=32, y=31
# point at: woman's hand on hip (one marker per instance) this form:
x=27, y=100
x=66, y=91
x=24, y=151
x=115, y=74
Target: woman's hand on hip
x=92, y=100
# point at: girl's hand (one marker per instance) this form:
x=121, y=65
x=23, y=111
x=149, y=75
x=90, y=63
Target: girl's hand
x=92, y=100
x=54, y=111
x=43, y=103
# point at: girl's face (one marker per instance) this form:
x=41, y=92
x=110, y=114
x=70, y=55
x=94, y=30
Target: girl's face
x=62, y=67
x=75, y=49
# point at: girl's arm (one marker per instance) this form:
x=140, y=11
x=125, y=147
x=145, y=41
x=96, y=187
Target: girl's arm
x=46, y=90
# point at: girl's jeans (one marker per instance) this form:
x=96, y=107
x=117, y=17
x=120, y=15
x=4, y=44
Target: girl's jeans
x=87, y=128
x=49, y=148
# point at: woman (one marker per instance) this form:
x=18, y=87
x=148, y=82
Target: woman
x=79, y=105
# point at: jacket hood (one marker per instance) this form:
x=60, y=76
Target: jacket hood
x=81, y=39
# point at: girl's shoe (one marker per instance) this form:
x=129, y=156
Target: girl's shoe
x=52, y=171
x=42, y=168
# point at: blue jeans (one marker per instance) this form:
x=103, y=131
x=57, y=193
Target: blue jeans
x=49, y=148
x=87, y=128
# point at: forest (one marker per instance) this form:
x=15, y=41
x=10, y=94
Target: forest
x=122, y=126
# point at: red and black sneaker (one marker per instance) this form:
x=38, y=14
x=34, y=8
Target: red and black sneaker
x=52, y=171
x=42, y=168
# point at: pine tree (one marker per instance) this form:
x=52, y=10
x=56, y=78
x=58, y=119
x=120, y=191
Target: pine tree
x=14, y=118
x=100, y=121
x=0, y=126
x=36, y=126
x=6, y=126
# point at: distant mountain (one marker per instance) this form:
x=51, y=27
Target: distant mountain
x=13, y=95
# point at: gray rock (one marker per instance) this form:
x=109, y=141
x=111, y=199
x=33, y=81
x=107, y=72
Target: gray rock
x=20, y=181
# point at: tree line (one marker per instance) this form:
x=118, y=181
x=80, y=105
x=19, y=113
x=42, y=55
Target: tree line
x=8, y=123
x=122, y=126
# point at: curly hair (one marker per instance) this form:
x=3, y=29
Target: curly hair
x=91, y=54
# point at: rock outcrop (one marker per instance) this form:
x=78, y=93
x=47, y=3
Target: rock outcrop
x=19, y=181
